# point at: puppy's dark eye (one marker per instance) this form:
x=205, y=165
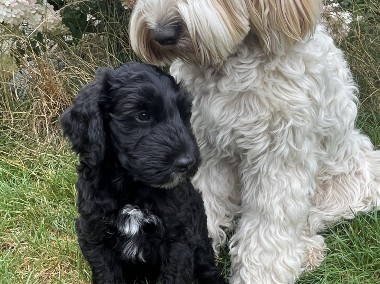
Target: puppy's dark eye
x=143, y=116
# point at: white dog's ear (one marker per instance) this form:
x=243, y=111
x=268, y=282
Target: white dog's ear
x=281, y=23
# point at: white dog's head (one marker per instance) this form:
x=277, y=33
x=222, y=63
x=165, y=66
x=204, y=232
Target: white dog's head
x=208, y=31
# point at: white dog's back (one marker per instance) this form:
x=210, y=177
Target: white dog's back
x=254, y=101
x=274, y=114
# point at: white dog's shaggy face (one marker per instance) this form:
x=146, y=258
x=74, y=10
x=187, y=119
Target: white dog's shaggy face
x=208, y=31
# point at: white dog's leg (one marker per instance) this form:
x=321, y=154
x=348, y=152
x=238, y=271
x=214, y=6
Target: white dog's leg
x=216, y=179
x=269, y=245
x=348, y=183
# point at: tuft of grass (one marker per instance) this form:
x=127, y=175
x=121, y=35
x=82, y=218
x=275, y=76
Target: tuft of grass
x=369, y=122
x=37, y=209
x=41, y=73
x=354, y=253
x=362, y=50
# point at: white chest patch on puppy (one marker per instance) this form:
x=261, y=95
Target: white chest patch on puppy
x=130, y=223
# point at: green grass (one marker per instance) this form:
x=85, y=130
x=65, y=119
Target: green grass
x=37, y=209
x=37, y=170
x=354, y=253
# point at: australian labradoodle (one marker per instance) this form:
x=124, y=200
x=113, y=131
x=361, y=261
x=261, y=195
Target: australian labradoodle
x=140, y=217
x=274, y=110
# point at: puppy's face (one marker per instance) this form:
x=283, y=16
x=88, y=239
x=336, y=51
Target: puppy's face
x=147, y=121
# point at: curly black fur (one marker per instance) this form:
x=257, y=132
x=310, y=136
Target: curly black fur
x=140, y=217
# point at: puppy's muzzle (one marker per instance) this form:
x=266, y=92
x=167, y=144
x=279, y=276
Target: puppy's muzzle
x=184, y=162
x=167, y=35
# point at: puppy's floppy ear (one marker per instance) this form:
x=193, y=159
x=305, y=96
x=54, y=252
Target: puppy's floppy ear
x=83, y=122
x=281, y=23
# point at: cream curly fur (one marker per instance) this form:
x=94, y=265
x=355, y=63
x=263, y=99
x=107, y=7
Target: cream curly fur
x=274, y=111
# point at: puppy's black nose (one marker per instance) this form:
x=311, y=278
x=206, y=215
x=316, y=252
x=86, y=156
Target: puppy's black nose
x=168, y=35
x=183, y=163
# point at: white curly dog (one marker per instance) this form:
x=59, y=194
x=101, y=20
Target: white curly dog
x=274, y=112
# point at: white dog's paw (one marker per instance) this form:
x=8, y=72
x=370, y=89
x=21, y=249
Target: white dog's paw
x=219, y=238
x=315, y=252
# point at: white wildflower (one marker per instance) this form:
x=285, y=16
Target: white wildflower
x=336, y=20
x=22, y=13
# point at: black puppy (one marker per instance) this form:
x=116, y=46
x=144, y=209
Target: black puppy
x=140, y=217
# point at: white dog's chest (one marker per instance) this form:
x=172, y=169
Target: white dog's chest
x=265, y=104
x=226, y=129
x=248, y=100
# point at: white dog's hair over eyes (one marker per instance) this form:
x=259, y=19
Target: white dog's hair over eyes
x=273, y=111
